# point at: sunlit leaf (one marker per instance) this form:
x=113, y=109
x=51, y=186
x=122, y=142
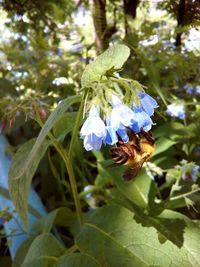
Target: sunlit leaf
x=113, y=57
x=77, y=260
x=113, y=237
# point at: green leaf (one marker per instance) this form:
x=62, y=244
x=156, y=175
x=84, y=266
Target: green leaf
x=22, y=251
x=61, y=216
x=19, y=189
x=45, y=245
x=113, y=57
x=77, y=260
x=115, y=239
x=64, y=125
x=41, y=262
x=136, y=190
x=163, y=144
x=171, y=130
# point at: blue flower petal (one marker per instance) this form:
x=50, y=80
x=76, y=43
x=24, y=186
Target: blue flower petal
x=141, y=120
x=115, y=101
x=93, y=130
x=123, y=134
x=93, y=125
x=111, y=137
x=121, y=116
x=148, y=103
x=91, y=141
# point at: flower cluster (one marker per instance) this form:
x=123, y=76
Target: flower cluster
x=176, y=110
x=96, y=131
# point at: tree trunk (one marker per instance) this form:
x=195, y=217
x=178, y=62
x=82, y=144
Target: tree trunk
x=180, y=21
x=130, y=7
x=103, y=32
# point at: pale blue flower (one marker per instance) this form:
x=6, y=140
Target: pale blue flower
x=141, y=120
x=176, y=110
x=148, y=103
x=111, y=136
x=121, y=115
x=93, y=130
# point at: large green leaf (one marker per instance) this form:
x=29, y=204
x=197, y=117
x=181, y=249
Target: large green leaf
x=64, y=125
x=114, y=238
x=113, y=58
x=77, y=260
x=44, y=246
x=41, y=262
x=19, y=189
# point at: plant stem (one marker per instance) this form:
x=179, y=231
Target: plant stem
x=72, y=249
x=72, y=179
x=185, y=195
x=76, y=126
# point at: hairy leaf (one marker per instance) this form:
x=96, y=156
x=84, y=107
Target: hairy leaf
x=113, y=58
x=77, y=260
x=113, y=237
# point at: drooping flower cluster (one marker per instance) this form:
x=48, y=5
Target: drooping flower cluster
x=96, y=131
